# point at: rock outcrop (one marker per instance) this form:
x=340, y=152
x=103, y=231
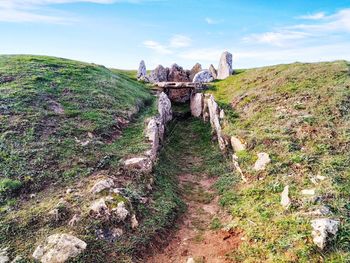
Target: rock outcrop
x=142, y=72
x=195, y=69
x=213, y=71
x=196, y=104
x=58, y=248
x=203, y=76
x=225, y=66
x=159, y=74
x=324, y=230
x=177, y=74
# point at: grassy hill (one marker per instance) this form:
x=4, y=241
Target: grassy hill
x=299, y=114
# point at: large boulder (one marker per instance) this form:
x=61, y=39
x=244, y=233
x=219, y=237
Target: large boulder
x=213, y=71
x=177, y=74
x=195, y=69
x=59, y=248
x=203, y=77
x=197, y=104
x=324, y=230
x=159, y=74
x=164, y=108
x=225, y=66
x=141, y=73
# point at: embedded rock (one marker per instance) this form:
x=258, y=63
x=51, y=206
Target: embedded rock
x=141, y=73
x=102, y=185
x=177, y=74
x=225, y=66
x=309, y=192
x=237, y=145
x=134, y=222
x=203, y=77
x=120, y=211
x=153, y=134
x=324, y=230
x=58, y=248
x=196, y=104
x=3, y=255
x=196, y=68
x=139, y=163
x=213, y=71
x=263, y=160
x=285, y=200
x=214, y=118
x=99, y=209
x=159, y=74
x=164, y=108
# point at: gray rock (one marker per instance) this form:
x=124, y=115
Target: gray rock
x=99, y=209
x=236, y=144
x=196, y=104
x=196, y=68
x=214, y=118
x=159, y=74
x=58, y=248
x=263, y=160
x=120, y=211
x=102, y=185
x=142, y=164
x=203, y=77
x=164, y=108
x=153, y=135
x=178, y=74
x=141, y=73
x=225, y=66
x=134, y=222
x=3, y=255
x=324, y=230
x=213, y=71
x=285, y=200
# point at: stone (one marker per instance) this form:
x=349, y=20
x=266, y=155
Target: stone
x=237, y=145
x=214, y=118
x=222, y=114
x=142, y=72
x=308, y=192
x=139, y=163
x=177, y=74
x=99, y=209
x=153, y=135
x=101, y=185
x=59, y=248
x=263, y=160
x=238, y=168
x=213, y=71
x=159, y=74
x=164, y=108
x=196, y=104
x=120, y=211
x=190, y=260
x=203, y=76
x=134, y=222
x=320, y=211
x=285, y=200
x=225, y=66
x=3, y=255
x=75, y=219
x=195, y=69
x=17, y=259
x=324, y=230
x=117, y=232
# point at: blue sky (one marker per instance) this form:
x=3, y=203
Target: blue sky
x=119, y=33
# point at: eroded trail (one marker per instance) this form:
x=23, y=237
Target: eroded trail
x=202, y=233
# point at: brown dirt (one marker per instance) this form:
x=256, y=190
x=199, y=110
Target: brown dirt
x=195, y=238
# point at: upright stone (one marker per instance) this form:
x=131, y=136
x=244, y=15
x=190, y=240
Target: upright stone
x=196, y=68
x=164, y=108
x=213, y=71
x=225, y=66
x=159, y=74
x=141, y=73
x=177, y=74
x=203, y=76
x=196, y=104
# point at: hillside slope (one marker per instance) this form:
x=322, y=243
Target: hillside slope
x=299, y=115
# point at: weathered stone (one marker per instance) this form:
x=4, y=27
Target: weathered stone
x=177, y=74
x=3, y=255
x=164, y=108
x=99, y=209
x=236, y=144
x=196, y=104
x=180, y=95
x=120, y=211
x=203, y=76
x=309, y=192
x=142, y=164
x=222, y=114
x=225, y=66
x=153, y=135
x=196, y=68
x=190, y=260
x=324, y=230
x=141, y=73
x=320, y=211
x=238, y=168
x=159, y=74
x=263, y=160
x=58, y=248
x=285, y=200
x=101, y=185
x=134, y=222
x=213, y=71
x=214, y=118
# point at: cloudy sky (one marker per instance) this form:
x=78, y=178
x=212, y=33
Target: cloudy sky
x=119, y=33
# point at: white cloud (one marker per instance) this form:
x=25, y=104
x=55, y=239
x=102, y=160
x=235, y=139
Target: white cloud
x=179, y=41
x=156, y=46
x=315, y=16
x=280, y=38
x=212, y=21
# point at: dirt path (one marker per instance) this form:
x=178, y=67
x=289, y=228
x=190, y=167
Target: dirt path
x=201, y=235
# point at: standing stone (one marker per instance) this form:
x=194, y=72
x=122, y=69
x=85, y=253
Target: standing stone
x=164, y=108
x=225, y=66
x=324, y=230
x=159, y=74
x=177, y=74
x=213, y=71
x=196, y=104
x=285, y=200
x=141, y=73
x=203, y=77
x=196, y=68
x=58, y=248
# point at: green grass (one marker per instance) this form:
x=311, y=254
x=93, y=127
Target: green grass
x=299, y=114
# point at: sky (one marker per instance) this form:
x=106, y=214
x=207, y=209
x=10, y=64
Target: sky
x=119, y=33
